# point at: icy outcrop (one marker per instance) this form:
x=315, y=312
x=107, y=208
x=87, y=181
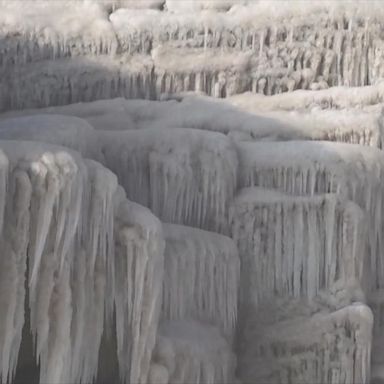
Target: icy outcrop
x=208, y=291
x=308, y=168
x=357, y=126
x=49, y=30
x=193, y=352
x=68, y=131
x=139, y=263
x=218, y=47
x=332, y=98
x=183, y=176
x=47, y=210
x=58, y=217
x=308, y=347
x=176, y=111
x=70, y=80
x=364, y=127
x=295, y=246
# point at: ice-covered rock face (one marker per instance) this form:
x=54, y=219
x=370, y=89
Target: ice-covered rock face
x=69, y=51
x=265, y=261
x=67, y=220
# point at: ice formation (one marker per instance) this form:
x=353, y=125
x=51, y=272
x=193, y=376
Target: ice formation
x=218, y=47
x=194, y=353
x=183, y=176
x=295, y=246
x=209, y=291
x=58, y=215
x=251, y=245
x=307, y=345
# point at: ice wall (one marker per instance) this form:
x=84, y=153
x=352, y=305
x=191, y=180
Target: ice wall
x=308, y=345
x=183, y=176
x=309, y=168
x=221, y=48
x=295, y=246
x=139, y=267
x=60, y=235
x=208, y=292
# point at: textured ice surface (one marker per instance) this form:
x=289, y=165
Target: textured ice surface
x=194, y=352
x=332, y=98
x=183, y=176
x=208, y=291
x=306, y=216
x=309, y=168
x=295, y=246
x=50, y=191
x=68, y=131
x=307, y=345
x=58, y=217
x=218, y=47
x=139, y=275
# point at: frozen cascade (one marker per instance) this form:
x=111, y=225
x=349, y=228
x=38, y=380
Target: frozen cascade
x=295, y=246
x=183, y=176
x=305, y=344
x=262, y=47
x=60, y=219
x=208, y=292
x=305, y=217
x=193, y=352
x=47, y=202
x=308, y=168
x=139, y=277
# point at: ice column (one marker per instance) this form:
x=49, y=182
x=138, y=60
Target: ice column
x=138, y=287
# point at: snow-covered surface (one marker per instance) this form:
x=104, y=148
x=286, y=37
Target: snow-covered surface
x=68, y=131
x=332, y=98
x=352, y=125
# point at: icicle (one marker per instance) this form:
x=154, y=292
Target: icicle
x=139, y=275
x=209, y=291
x=174, y=165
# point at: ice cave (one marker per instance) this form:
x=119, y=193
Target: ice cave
x=191, y=192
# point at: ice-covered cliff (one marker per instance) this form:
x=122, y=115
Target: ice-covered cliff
x=191, y=239
x=70, y=51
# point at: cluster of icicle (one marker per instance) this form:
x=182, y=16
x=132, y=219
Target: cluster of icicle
x=108, y=254
x=303, y=216
x=67, y=235
x=61, y=53
x=295, y=246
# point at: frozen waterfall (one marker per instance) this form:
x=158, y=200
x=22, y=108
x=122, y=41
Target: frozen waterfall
x=191, y=192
